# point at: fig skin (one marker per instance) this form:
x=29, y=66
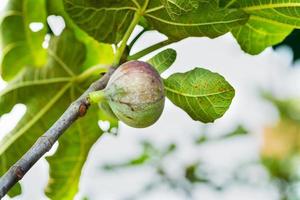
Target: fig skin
x=135, y=93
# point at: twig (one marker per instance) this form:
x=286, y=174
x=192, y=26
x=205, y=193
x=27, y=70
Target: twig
x=77, y=109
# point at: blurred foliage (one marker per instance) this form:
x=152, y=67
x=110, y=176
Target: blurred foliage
x=281, y=140
x=281, y=147
x=155, y=157
x=21, y=46
x=150, y=154
x=238, y=131
x=279, y=156
x=288, y=109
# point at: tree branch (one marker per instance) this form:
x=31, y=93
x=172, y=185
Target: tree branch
x=77, y=109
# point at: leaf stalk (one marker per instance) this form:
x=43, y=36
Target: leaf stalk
x=128, y=33
x=95, y=70
x=149, y=49
x=123, y=45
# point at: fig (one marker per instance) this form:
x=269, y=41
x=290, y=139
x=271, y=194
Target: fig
x=135, y=94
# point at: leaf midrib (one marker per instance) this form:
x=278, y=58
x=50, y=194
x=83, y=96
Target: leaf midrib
x=61, y=63
x=99, y=9
x=262, y=32
x=34, y=82
x=136, y=3
x=195, y=24
x=9, y=139
x=27, y=33
x=154, y=9
x=271, y=21
x=270, y=6
x=196, y=95
x=10, y=13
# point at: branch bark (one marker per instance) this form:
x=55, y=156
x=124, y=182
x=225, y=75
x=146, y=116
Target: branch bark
x=77, y=109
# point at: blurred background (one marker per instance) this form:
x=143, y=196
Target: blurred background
x=252, y=152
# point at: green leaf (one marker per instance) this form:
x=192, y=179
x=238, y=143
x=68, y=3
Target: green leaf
x=176, y=8
x=259, y=34
x=106, y=21
x=21, y=46
x=283, y=11
x=163, y=60
x=44, y=92
x=270, y=22
x=204, y=95
x=106, y=114
x=15, y=190
x=205, y=20
x=96, y=52
x=67, y=162
x=47, y=92
x=176, y=19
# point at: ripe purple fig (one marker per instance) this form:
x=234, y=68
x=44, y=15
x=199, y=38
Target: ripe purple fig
x=135, y=93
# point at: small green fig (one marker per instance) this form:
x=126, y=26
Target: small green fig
x=135, y=94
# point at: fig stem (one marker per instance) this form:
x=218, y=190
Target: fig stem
x=96, y=97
